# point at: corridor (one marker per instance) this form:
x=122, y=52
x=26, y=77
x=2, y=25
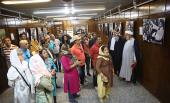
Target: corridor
x=127, y=39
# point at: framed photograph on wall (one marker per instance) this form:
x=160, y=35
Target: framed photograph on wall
x=110, y=29
x=129, y=26
x=106, y=29
x=21, y=30
x=33, y=33
x=45, y=31
x=118, y=28
x=99, y=27
x=2, y=33
x=80, y=29
x=153, y=30
x=110, y=26
x=39, y=32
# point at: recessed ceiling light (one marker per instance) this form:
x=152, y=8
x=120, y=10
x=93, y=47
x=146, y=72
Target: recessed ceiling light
x=23, y=1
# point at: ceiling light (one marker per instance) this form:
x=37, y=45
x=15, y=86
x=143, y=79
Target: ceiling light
x=73, y=18
x=95, y=9
x=72, y=10
x=66, y=10
x=24, y=1
x=87, y=14
x=55, y=16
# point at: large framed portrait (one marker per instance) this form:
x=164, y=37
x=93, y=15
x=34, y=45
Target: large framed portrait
x=118, y=27
x=99, y=27
x=106, y=29
x=21, y=30
x=81, y=29
x=129, y=26
x=39, y=30
x=153, y=30
x=110, y=26
x=45, y=31
x=33, y=33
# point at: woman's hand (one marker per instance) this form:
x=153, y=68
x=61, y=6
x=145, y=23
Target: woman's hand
x=77, y=62
x=53, y=72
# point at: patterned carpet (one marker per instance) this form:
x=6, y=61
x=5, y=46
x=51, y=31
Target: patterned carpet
x=122, y=92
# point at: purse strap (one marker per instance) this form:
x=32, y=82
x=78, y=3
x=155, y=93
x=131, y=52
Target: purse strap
x=22, y=77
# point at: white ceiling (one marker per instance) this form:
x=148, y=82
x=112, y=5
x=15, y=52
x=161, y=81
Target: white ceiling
x=81, y=8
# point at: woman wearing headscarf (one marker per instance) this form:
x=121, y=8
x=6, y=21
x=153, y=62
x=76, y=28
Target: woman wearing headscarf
x=71, y=77
x=51, y=67
x=42, y=79
x=20, y=77
x=105, y=72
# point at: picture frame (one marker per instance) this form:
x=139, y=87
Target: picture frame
x=154, y=30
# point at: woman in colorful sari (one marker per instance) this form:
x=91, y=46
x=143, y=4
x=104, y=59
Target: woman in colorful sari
x=42, y=79
x=19, y=77
x=71, y=77
x=51, y=67
x=105, y=72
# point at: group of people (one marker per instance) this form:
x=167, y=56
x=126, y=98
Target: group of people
x=33, y=65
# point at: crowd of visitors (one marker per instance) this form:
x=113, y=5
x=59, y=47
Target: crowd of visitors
x=33, y=65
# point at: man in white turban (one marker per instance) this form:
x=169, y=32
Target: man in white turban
x=129, y=58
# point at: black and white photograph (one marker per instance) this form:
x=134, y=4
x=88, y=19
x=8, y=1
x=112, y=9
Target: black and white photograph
x=45, y=31
x=118, y=27
x=80, y=29
x=33, y=33
x=21, y=30
x=111, y=26
x=99, y=27
x=39, y=30
x=129, y=26
x=106, y=29
x=153, y=30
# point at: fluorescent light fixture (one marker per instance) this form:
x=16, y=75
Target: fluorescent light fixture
x=73, y=18
x=55, y=16
x=66, y=10
x=23, y=1
x=87, y=14
x=72, y=10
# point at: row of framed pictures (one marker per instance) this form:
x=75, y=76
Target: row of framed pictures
x=152, y=29
x=33, y=33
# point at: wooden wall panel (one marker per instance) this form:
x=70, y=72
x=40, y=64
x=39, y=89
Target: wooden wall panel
x=91, y=26
x=154, y=72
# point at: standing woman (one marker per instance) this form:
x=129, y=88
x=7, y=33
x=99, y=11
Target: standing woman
x=42, y=79
x=71, y=77
x=105, y=72
x=65, y=40
x=51, y=67
x=19, y=77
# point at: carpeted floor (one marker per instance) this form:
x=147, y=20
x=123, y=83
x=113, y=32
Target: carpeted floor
x=122, y=92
